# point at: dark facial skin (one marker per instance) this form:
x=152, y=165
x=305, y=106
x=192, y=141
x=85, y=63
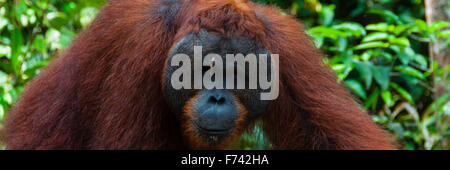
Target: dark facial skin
x=216, y=113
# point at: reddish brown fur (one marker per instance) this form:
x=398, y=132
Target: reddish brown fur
x=101, y=93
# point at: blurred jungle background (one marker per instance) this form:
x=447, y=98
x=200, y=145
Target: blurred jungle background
x=392, y=54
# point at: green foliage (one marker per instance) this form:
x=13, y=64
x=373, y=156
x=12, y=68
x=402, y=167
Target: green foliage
x=31, y=33
x=379, y=49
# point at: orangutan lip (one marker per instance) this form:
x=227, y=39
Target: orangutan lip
x=212, y=132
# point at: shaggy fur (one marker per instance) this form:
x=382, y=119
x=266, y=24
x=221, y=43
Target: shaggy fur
x=103, y=91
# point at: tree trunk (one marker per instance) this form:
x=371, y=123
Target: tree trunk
x=439, y=10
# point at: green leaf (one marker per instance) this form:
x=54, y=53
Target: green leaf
x=382, y=27
x=345, y=73
x=400, y=29
x=386, y=55
x=355, y=29
x=411, y=71
x=421, y=60
x=327, y=32
x=16, y=47
x=13, y=94
x=342, y=44
x=327, y=14
x=381, y=75
x=375, y=36
x=21, y=8
x=404, y=53
x=373, y=99
x=3, y=22
x=318, y=40
x=66, y=37
x=440, y=104
x=39, y=44
x=58, y=22
x=420, y=25
x=364, y=69
x=402, y=92
x=5, y=51
x=356, y=87
x=440, y=34
x=3, y=78
x=400, y=41
x=93, y=3
x=386, y=96
x=438, y=25
x=87, y=15
x=69, y=7
x=366, y=55
x=32, y=67
x=338, y=67
x=374, y=44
